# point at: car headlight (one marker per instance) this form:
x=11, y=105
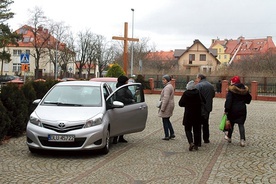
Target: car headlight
x=96, y=120
x=35, y=120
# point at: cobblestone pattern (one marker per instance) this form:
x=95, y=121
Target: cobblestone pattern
x=146, y=159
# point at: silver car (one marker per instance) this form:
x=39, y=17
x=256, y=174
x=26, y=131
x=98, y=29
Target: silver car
x=84, y=115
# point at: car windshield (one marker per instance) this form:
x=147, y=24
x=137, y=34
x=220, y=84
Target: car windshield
x=74, y=96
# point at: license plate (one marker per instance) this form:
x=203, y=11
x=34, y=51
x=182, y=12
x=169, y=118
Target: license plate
x=61, y=138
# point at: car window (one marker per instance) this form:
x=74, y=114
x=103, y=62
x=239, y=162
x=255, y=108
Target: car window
x=106, y=91
x=74, y=95
x=129, y=94
x=112, y=85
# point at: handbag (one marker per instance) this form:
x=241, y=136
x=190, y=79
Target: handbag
x=159, y=104
x=223, y=122
x=227, y=125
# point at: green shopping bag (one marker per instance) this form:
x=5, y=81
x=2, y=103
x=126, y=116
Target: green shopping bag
x=223, y=122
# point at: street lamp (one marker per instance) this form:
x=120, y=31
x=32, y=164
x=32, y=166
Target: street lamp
x=131, y=60
x=56, y=62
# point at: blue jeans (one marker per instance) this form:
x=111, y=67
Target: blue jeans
x=167, y=127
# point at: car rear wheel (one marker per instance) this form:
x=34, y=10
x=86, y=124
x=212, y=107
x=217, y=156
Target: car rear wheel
x=105, y=149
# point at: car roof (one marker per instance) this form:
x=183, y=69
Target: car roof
x=79, y=83
x=105, y=79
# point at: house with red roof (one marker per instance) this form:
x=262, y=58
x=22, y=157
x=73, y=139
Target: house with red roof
x=161, y=60
x=197, y=59
x=230, y=51
x=26, y=49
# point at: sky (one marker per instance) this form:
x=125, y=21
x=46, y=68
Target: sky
x=168, y=24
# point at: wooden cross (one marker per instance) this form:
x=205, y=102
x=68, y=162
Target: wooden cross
x=125, y=39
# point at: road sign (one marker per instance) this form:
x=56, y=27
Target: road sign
x=24, y=58
x=24, y=67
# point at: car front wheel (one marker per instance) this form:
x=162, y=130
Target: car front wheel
x=105, y=149
x=33, y=150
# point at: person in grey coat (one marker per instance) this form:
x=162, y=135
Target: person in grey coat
x=207, y=90
x=167, y=106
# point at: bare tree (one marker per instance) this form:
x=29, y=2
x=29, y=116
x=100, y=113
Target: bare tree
x=68, y=54
x=93, y=53
x=58, y=50
x=140, y=51
x=107, y=56
x=259, y=65
x=41, y=35
x=101, y=54
x=84, y=43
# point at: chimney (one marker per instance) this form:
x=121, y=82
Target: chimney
x=40, y=28
x=46, y=31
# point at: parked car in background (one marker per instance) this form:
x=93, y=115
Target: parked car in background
x=112, y=81
x=84, y=115
x=68, y=79
x=7, y=78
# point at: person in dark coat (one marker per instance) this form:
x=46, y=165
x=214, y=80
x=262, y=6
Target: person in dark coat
x=191, y=100
x=206, y=90
x=218, y=86
x=125, y=96
x=235, y=107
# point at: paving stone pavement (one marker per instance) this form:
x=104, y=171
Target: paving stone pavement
x=146, y=159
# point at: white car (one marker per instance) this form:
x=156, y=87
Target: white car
x=83, y=115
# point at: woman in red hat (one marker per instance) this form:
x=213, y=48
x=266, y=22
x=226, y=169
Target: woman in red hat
x=235, y=107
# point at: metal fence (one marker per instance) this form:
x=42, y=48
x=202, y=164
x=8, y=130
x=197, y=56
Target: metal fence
x=266, y=85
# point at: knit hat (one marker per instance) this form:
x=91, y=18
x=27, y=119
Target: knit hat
x=167, y=77
x=122, y=79
x=190, y=85
x=235, y=80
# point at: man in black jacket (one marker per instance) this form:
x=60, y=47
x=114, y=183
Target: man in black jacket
x=207, y=90
x=125, y=96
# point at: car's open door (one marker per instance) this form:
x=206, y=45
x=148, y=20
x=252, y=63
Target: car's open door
x=133, y=116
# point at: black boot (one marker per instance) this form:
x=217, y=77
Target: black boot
x=121, y=139
x=115, y=140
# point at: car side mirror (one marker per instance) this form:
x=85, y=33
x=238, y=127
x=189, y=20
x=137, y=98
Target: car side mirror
x=36, y=102
x=117, y=104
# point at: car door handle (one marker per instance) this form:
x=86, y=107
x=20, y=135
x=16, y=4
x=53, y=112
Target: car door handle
x=142, y=107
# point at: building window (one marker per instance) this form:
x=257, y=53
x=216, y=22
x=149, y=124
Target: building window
x=202, y=57
x=16, y=67
x=23, y=31
x=225, y=56
x=191, y=58
x=219, y=50
x=28, y=51
x=26, y=39
x=17, y=52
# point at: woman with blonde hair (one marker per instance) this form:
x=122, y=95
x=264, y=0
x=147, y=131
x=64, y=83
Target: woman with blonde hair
x=167, y=107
